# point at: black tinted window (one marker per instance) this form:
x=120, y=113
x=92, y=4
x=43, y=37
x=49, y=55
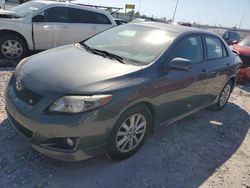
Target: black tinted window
x=102, y=19
x=214, y=48
x=225, y=52
x=231, y=35
x=189, y=48
x=56, y=14
x=84, y=16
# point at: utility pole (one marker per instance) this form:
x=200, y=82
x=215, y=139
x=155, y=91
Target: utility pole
x=177, y=2
x=139, y=6
x=242, y=18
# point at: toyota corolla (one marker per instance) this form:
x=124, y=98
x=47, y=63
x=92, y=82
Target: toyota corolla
x=105, y=95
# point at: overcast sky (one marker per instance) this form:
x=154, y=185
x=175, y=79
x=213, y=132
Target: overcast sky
x=225, y=12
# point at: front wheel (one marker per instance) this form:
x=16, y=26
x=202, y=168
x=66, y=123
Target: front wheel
x=13, y=47
x=129, y=132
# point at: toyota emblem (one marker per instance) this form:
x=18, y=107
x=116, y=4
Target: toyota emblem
x=19, y=86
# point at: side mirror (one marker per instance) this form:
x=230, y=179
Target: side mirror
x=38, y=18
x=180, y=64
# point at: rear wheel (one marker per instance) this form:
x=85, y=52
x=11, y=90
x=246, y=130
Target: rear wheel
x=13, y=47
x=129, y=132
x=224, y=96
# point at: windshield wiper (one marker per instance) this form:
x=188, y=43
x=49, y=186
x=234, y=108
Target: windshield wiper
x=111, y=55
x=103, y=53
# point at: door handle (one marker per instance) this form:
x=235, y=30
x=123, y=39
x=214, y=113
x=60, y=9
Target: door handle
x=65, y=27
x=48, y=26
x=203, y=72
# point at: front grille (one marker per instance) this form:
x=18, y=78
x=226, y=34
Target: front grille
x=245, y=59
x=24, y=131
x=26, y=94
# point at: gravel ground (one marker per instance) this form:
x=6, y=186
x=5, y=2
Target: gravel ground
x=207, y=149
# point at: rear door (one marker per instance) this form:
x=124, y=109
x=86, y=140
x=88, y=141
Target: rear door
x=86, y=23
x=51, y=29
x=183, y=91
x=217, y=66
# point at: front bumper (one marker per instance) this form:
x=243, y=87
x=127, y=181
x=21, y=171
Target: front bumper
x=91, y=129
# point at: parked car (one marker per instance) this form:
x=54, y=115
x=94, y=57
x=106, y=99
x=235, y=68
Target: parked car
x=243, y=49
x=106, y=94
x=41, y=25
x=231, y=37
x=187, y=24
x=219, y=32
x=120, y=21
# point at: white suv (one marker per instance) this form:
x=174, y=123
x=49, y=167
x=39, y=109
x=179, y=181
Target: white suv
x=40, y=25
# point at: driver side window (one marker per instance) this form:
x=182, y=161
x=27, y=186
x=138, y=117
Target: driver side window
x=55, y=14
x=189, y=48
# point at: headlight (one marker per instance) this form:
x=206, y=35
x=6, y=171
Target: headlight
x=21, y=63
x=77, y=104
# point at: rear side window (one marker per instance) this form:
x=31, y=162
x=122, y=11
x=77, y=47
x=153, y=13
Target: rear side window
x=102, y=19
x=233, y=35
x=189, y=48
x=85, y=16
x=56, y=14
x=225, y=52
x=215, y=48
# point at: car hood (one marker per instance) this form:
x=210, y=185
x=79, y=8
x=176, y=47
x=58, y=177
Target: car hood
x=8, y=14
x=243, y=50
x=71, y=69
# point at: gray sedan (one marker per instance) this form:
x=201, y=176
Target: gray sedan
x=105, y=95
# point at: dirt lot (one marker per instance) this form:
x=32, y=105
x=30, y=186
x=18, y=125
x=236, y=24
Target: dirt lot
x=207, y=149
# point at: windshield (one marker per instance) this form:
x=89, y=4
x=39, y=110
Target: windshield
x=245, y=42
x=26, y=8
x=139, y=44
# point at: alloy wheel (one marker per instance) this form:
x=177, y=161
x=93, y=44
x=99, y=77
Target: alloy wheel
x=131, y=133
x=12, y=49
x=225, y=95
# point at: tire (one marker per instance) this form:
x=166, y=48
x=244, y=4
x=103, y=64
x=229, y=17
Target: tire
x=18, y=47
x=119, y=142
x=224, y=96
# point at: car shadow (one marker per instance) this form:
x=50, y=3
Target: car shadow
x=245, y=86
x=184, y=154
x=8, y=63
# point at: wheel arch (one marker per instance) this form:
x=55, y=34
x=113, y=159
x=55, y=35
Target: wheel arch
x=8, y=32
x=233, y=81
x=147, y=105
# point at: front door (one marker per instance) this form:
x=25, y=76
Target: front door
x=183, y=91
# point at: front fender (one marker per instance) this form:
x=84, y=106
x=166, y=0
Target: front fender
x=14, y=26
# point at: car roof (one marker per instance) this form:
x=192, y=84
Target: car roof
x=76, y=5
x=47, y=2
x=178, y=29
